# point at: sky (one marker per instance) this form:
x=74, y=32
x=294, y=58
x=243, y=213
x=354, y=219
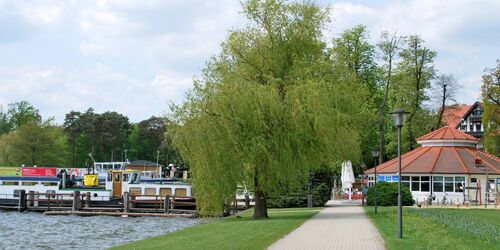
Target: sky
x=137, y=57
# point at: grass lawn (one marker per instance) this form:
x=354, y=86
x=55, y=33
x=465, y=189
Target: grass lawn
x=438, y=228
x=231, y=232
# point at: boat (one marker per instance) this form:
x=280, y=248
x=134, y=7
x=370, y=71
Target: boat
x=117, y=183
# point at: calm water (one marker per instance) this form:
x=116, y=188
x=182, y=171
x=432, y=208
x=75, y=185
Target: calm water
x=38, y=231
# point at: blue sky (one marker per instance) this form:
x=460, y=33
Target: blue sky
x=135, y=57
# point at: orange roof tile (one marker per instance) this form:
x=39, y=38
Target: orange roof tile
x=453, y=115
x=447, y=133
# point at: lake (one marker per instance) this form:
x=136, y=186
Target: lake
x=37, y=231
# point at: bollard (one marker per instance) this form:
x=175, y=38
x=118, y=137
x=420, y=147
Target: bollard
x=64, y=180
x=87, y=200
x=22, y=200
x=166, y=204
x=36, y=202
x=31, y=198
x=131, y=204
x=76, y=200
x=126, y=207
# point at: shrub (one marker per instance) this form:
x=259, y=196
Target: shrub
x=387, y=194
x=321, y=194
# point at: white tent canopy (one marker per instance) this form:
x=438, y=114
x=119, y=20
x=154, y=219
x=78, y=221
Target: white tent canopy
x=347, y=177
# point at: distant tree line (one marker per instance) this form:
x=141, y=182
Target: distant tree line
x=25, y=138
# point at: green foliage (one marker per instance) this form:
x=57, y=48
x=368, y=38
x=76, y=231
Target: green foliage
x=491, y=104
x=21, y=113
x=387, y=194
x=34, y=144
x=465, y=224
x=270, y=107
x=321, y=194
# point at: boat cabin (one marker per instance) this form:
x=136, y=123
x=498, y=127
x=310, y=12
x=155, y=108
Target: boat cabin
x=121, y=181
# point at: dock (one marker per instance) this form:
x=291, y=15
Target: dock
x=129, y=205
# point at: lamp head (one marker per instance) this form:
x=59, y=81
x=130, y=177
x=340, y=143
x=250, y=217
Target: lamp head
x=399, y=116
x=375, y=153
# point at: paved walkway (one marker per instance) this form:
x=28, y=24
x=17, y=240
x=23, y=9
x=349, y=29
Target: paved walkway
x=341, y=225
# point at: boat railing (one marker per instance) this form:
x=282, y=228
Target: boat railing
x=139, y=202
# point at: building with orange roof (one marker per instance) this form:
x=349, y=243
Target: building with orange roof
x=468, y=118
x=448, y=161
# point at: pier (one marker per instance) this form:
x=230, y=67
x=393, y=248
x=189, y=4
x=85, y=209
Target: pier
x=80, y=203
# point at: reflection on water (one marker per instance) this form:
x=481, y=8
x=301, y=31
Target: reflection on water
x=38, y=231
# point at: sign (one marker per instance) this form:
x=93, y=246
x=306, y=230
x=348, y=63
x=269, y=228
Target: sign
x=381, y=178
x=10, y=171
x=395, y=178
x=39, y=172
x=388, y=178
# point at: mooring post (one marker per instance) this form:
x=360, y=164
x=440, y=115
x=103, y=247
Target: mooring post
x=172, y=204
x=126, y=203
x=37, y=198
x=31, y=198
x=87, y=200
x=131, y=198
x=76, y=200
x=166, y=204
x=22, y=200
x=64, y=180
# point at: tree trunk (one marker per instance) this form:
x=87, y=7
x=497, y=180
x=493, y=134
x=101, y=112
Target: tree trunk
x=441, y=112
x=260, y=209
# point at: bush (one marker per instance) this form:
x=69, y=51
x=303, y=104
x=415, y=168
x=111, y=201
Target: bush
x=387, y=194
x=321, y=194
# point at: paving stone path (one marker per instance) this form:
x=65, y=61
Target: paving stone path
x=341, y=225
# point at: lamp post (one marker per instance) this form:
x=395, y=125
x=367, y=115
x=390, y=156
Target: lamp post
x=399, y=117
x=363, y=168
x=375, y=154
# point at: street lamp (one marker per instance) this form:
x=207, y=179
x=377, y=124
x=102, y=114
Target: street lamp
x=363, y=168
x=375, y=154
x=399, y=118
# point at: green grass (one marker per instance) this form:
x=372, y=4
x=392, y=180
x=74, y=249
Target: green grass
x=438, y=228
x=231, y=232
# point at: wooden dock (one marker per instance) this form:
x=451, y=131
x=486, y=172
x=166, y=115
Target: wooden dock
x=129, y=205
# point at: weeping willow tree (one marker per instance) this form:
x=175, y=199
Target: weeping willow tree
x=268, y=109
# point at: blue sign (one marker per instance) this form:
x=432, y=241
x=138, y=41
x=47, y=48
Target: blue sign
x=395, y=178
x=388, y=178
x=381, y=178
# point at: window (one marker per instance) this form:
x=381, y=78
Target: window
x=11, y=183
x=437, y=183
x=29, y=183
x=478, y=126
x=424, y=184
x=463, y=127
x=150, y=191
x=134, y=191
x=473, y=180
x=165, y=191
x=415, y=183
x=49, y=183
x=459, y=183
x=117, y=178
x=405, y=181
x=110, y=177
x=125, y=177
x=471, y=127
x=448, y=184
x=180, y=192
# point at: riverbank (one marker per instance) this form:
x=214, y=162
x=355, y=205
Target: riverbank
x=438, y=228
x=235, y=232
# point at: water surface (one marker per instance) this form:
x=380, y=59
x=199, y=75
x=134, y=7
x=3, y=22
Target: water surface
x=38, y=231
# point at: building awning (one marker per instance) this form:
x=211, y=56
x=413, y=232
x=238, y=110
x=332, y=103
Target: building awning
x=443, y=151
